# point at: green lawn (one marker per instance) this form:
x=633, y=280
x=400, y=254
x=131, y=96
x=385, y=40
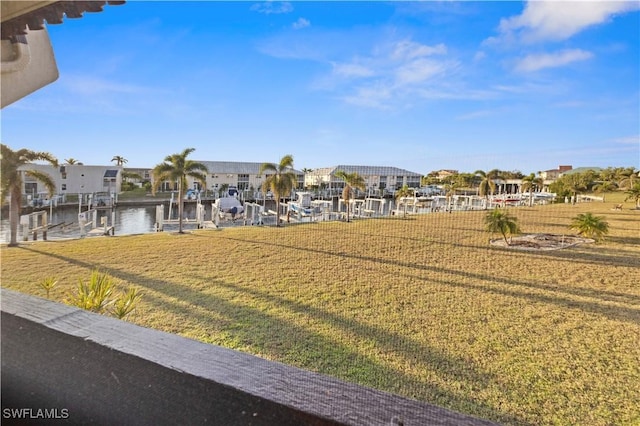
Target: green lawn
x=422, y=307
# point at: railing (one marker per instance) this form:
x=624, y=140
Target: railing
x=59, y=362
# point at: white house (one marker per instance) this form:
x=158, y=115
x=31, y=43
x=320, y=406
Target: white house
x=75, y=179
x=245, y=176
x=377, y=178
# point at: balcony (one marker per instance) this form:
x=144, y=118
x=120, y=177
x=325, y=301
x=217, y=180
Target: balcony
x=87, y=368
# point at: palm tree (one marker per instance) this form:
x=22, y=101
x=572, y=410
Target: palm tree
x=499, y=221
x=487, y=185
x=71, y=161
x=176, y=167
x=627, y=177
x=11, y=178
x=590, y=226
x=281, y=180
x=634, y=194
x=604, y=186
x=351, y=181
x=405, y=191
x=529, y=183
x=450, y=189
x=120, y=160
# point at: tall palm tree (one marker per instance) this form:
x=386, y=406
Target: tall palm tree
x=530, y=183
x=405, y=191
x=11, y=179
x=351, y=181
x=281, y=180
x=487, y=185
x=604, y=186
x=120, y=160
x=634, y=194
x=627, y=177
x=590, y=226
x=71, y=161
x=500, y=221
x=176, y=167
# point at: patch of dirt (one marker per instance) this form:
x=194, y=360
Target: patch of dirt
x=541, y=241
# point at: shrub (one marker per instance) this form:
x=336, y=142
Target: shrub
x=125, y=303
x=47, y=284
x=590, y=226
x=93, y=295
x=500, y=221
x=96, y=296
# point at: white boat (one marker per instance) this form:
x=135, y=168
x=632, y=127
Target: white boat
x=228, y=205
x=302, y=205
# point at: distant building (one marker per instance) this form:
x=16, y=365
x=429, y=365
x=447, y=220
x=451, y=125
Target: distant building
x=244, y=176
x=553, y=174
x=144, y=173
x=377, y=178
x=74, y=179
x=443, y=174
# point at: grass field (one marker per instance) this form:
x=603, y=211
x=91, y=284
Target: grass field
x=422, y=307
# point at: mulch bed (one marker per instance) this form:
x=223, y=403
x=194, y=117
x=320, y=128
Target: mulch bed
x=541, y=241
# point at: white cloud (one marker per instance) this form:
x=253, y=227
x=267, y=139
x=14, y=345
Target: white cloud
x=535, y=62
x=374, y=96
x=559, y=20
x=88, y=85
x=628, y=140
x=407, y=49
x=479, y=56
x=272, y=7
x=352, y=70
x=476, y=114
x=301, y=23
x=393, y=72
x=419, y=70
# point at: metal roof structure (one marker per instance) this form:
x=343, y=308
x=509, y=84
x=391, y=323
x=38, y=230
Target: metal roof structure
x=365, y=170
x=236, y=168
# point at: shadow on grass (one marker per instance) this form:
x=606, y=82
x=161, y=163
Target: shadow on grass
x=601, y=257
x=625, y=240
x=258, y=329
x=617, y=313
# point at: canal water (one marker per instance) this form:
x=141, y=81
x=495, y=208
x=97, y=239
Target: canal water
x=128, y=221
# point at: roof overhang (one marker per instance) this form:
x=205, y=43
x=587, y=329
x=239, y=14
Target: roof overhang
x=19, y=16
x=28, y=62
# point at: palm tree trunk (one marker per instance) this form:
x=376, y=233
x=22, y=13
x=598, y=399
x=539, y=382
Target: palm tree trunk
x=504, y=235
x=180, y=208
x=14, y=215
x=278, y=210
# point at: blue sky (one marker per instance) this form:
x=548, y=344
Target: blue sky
x=417, y=85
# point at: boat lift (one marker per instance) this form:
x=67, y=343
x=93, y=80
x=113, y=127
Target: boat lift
x=88, y=221
x=161, y=221
x=33, y=223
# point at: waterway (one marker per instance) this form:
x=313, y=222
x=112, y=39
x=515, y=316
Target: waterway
x=128, y=221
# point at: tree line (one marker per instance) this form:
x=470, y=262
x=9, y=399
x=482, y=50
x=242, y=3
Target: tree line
x=569, y=184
